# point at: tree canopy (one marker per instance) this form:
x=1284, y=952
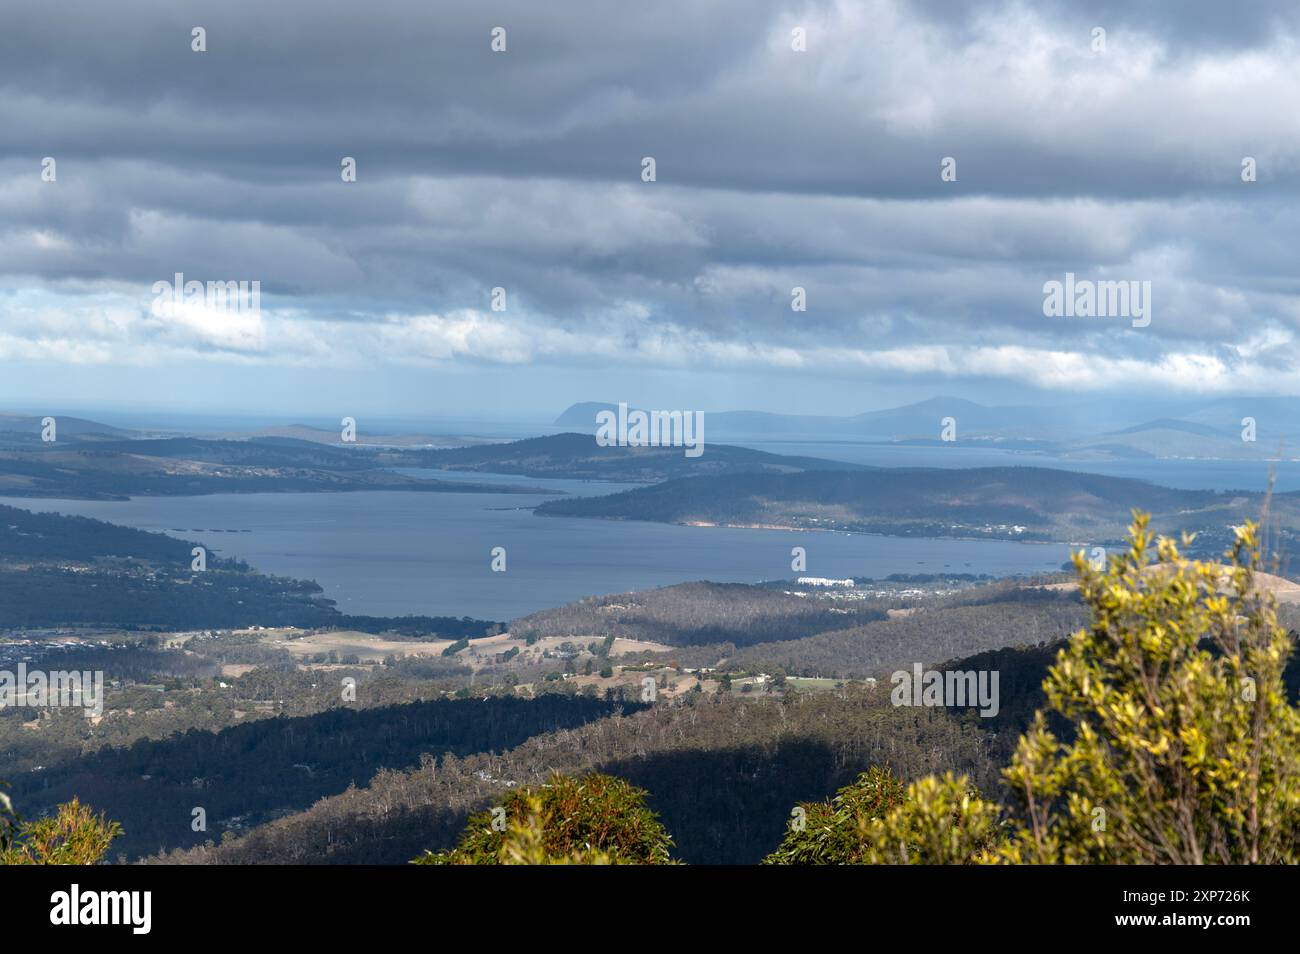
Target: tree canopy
x=595, y=819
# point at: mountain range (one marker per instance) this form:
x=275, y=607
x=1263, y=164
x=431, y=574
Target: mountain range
x=1110, y=428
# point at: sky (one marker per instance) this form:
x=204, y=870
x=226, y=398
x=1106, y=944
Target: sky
x=1113, y=157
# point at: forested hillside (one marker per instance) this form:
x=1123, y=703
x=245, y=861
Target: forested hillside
x=249, y=773
x=722, y=773
x=1020, y=503
x=692, y=614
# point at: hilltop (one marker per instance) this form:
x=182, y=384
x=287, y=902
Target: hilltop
x=578, y=456
x=1007, y=503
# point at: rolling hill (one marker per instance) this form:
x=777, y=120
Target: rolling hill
x=578, y=456
x=1009, y=503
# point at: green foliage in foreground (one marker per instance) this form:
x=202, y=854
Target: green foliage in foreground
x=596, y=819
x=940, y=821
x=74, y=835
x=1185, y=749
x=829, y=833
x=8, y=821
x=879, y=820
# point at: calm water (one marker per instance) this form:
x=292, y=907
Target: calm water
x=391, y=552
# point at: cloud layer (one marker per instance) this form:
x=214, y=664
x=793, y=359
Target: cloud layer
x=775, y=169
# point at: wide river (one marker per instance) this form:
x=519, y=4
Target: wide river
x=393, y=552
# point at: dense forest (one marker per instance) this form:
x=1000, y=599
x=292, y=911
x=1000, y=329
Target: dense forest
x=130, y=596
x=770, y=628
x=249, y=773
x=722, y=770
x=722, y=773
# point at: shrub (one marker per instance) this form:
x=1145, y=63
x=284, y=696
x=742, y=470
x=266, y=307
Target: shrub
x=596, y=819
x=830, y=832
x=1184, y=748
x=73, y=835
x=940, y=821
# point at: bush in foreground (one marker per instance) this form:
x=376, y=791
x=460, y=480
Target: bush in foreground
x=880, y=820
x=1184, y=749
x=830, y=832
x=73, y=835
x=596, y=819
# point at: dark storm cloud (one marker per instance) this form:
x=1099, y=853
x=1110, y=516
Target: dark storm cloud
x=776, y=169
x=587, y=88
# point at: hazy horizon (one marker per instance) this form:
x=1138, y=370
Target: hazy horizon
x=163, y=415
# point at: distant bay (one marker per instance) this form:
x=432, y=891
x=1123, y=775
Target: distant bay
x=394, y=553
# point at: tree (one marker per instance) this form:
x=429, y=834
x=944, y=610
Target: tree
x=1186, y=749
x=596, y=819
x=830, y=832
x=1183, y=747
x=8, y=821
x=74, y=835
x=939, y=821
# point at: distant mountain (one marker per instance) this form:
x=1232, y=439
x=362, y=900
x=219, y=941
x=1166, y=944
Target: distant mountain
x=583, y=414
x=1102, y=427
x=920, y=420
x=21, y=429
